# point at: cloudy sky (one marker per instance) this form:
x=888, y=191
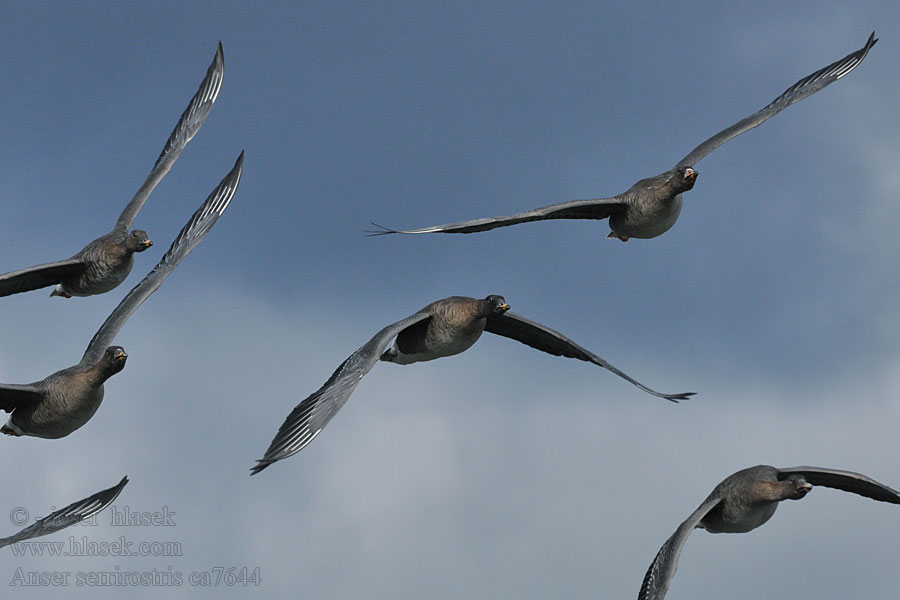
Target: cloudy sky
x=502, y=472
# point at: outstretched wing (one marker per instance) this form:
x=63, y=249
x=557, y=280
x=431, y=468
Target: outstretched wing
x=12, y=396
x=548, y=340
x=598, y=208
x=38, y=276
x=661, y=571
x=191, y=234
x=188, y=125
x=807, y=86
x=73, y=513
x=847, y=481
x=310, y=416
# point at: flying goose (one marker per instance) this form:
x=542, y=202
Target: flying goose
x=651, y=206
x=64, y=401
x=105, y=262
x=746, y=500
x=443, y=328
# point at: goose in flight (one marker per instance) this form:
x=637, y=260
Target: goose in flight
x=443, y=328
x=64, y=401
x=105, y=262
x=651, y=206
x=746, y=500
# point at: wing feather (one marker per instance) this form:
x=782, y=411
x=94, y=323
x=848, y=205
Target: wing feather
x=191, y=234
x=543, y=338
x=661, y=571
x=598, y=208
x=70, y=515
x=847, y=481
x=312, y=414
x=13, y=395
x=38, y=276
x=188, y=125
x=805, y=87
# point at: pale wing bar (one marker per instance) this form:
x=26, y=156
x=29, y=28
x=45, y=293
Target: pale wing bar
x=191, y=235
x=659, y=575
x=191, y=119
x=70, y=515
x=803, y=88
x=309, y=417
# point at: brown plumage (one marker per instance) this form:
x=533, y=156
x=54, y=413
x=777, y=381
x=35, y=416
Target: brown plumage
x=105, y=262
x=747, y=499
x=59, y=404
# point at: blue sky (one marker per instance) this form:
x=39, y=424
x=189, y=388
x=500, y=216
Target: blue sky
x=502, y=472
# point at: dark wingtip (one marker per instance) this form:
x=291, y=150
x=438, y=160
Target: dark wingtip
x=382, y=230
x=263, y=463
x=678, y=397
x=236, y=171
x=112, y=492
x=117, y=489
x=869, y=43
